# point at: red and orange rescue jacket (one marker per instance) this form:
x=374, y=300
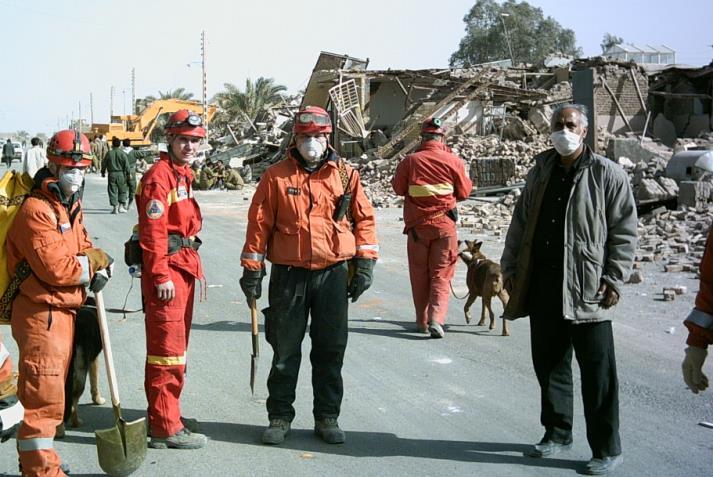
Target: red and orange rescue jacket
x=291, y=217
x=431, y=179
x=165, y=204
x=50, y=237
x=700, y=320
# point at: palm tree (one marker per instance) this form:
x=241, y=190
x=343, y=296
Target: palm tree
x=255, y=98
x=178, y=93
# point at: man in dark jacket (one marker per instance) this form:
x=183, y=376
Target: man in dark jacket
x=116, y=162
x=8, y=152
x=569, y=249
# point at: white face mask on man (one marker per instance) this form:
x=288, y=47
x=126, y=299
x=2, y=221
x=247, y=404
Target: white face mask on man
x=311, y=150
x=565, y=141
x=70, y=180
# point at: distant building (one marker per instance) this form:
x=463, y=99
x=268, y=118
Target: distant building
x=642, y=54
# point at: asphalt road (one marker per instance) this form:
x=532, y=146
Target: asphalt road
x=464, y=405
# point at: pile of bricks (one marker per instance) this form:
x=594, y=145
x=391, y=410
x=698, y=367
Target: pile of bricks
x=676, y=236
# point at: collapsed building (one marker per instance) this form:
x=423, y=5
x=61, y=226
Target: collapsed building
x=655, y=122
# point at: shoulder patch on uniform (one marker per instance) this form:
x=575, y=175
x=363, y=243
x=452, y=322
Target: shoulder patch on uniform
x=154, y=209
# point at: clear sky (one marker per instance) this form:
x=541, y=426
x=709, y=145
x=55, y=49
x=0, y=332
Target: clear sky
x=55, y=52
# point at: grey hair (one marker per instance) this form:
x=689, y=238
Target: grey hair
x=583, y=111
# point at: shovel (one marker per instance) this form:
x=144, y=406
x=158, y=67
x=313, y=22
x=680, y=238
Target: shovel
x=256, y=344
x=122, y=448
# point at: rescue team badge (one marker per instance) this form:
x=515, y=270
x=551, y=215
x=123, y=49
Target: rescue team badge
x=154, y=209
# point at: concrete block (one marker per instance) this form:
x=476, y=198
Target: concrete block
x=630, y=148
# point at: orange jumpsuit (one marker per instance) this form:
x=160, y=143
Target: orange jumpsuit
x=49, y=235
x=432, y=179
x=165, y=204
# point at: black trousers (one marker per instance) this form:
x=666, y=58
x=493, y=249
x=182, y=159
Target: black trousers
x=296, y=294
x=553, y=341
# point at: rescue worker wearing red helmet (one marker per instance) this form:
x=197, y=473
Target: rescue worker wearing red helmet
x=169, y=222
x=52, y=260
x=431, y=180
x=310, y=218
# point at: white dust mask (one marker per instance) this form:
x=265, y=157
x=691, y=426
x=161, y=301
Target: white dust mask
x=71, y=180
x=311, y=150
x=565, y=141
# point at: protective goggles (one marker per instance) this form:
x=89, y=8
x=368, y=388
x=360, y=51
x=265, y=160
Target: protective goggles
x=318, y=119
x=193, y=120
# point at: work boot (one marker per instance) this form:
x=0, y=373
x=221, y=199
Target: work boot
x=188, y=423
x=183, y=439
x=547, y=448
x=603, y=465
x=329, y=430
x=122, y=209
x=422, y=330
x=114, y=210
x=276, y=432
x=436, y=330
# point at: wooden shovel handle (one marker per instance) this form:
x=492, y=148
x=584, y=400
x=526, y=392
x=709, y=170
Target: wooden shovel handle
x=253, y=317
x=106, y=343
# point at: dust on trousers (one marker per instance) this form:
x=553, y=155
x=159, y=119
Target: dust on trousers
x=168, y=326
x=432, y=252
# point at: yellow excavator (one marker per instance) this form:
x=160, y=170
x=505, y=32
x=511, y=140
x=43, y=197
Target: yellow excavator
x=138, y=127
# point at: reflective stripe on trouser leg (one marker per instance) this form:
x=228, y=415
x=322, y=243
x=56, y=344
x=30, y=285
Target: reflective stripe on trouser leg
x=167, y=326
x=45, y=352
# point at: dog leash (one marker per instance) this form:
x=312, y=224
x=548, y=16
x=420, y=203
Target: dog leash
x=456, y=296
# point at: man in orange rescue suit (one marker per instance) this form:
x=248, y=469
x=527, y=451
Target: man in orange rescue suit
x=169, y=219
x=311, y=216
x=432, y=179
x=48, y=244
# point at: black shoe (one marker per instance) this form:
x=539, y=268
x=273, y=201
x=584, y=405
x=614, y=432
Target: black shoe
x=276, y=432
x=547, y=448
x=603, y=465
x=329, y=431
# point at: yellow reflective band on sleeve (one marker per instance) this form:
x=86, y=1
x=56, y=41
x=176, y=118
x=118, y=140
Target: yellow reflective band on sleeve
x=428, y=190
x=166, y=360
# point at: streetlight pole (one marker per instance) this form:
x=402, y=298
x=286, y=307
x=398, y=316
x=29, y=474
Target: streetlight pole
x=507, y=37
x=205, y=94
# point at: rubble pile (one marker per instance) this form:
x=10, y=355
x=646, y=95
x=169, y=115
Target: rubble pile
x=678, y=236
x=474, y=148
x=490, y=216
x=648, y=179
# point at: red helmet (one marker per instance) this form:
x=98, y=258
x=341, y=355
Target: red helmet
x=433, y=126
x=69, y=148
x=312, y=119
x=185, y=123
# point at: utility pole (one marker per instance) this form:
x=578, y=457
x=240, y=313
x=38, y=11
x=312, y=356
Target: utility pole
x=205, y=94
x=507, y=37
x=133, y=90
x=79, y=121
x=91, y=108
x=111, y=103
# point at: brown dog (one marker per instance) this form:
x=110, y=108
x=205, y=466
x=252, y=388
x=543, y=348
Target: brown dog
x=484, y=279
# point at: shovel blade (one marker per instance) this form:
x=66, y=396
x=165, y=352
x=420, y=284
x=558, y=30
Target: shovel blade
x=122, y=448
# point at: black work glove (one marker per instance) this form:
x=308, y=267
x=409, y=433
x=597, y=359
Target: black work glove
x=101, y=277
x=251, y=283
x=363, y=276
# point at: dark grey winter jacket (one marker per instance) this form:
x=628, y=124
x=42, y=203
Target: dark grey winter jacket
x=600, y=235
